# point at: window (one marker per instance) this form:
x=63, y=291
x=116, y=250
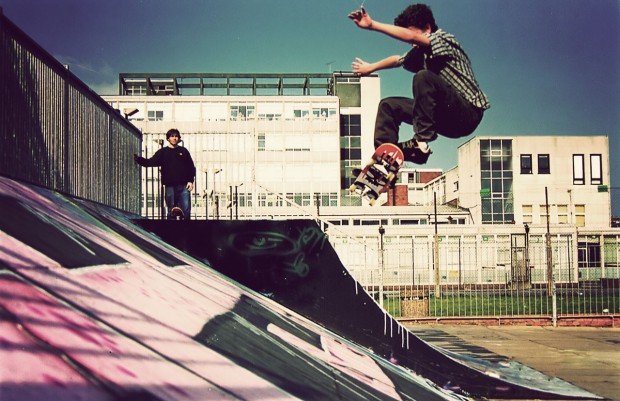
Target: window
x=155, y=115
x=562, y=214
x=269, y=116
x=580, y=215
x=543, y=164
x=245, y=199
x=241, y=113
x=578, y=173
x=589, y=252
x=350, y=146
x=348, y=90
x=596, y=170
x=136, y=90
x=544, y=217
x=527, y=214
x=526, y=164
x=261, y=142
x=350, y=125
x=301, y=113
x=496, y=181
x=323, y=112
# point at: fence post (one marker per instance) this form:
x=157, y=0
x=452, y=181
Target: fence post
x=436, y=252
x=548, y=247
x=554, y=302
x=381, y=265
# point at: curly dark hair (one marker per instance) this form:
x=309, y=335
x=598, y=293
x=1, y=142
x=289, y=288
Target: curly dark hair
x=417, y=15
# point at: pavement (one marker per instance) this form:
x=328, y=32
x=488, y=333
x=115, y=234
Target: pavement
x=588, y=357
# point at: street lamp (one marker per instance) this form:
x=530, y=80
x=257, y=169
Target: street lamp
x=129, y=111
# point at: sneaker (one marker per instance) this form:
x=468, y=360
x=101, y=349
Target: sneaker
x=413, y=153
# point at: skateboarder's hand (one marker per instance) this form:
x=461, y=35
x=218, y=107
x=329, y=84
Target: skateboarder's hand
x=190, y=186
x=361, y=18
x=361, y=67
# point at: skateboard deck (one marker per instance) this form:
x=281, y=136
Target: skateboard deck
x=379, y=173
x=176, y=213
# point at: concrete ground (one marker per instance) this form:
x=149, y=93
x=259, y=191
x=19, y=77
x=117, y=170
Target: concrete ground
x=585, y=356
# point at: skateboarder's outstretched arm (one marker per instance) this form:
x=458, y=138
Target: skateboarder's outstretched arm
x=413, y=36
x=362, y=67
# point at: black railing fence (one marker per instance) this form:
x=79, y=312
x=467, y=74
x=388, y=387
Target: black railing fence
x=57, y=133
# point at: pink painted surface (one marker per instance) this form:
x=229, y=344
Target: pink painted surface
x=28, y=371
x=132, y=325
x=105, y=354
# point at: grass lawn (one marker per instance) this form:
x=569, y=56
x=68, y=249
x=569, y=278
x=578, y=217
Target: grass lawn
x=510, y=305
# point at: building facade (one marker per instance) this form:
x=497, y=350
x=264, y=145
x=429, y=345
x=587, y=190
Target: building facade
x=534, y=180
x=284, y=145
x=258, y=141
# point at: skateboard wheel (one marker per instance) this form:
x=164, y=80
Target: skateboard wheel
x=372, y=202
x=352, y=188
x=390, y=176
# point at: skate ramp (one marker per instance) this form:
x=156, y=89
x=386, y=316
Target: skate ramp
x=293, y=263
x=94, y=308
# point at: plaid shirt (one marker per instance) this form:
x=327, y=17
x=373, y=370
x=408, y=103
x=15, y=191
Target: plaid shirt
x=446, y=58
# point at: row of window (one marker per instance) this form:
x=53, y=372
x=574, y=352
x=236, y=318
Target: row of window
x=395, y=222
x=596, y=169
x=245, y=199
x=561, y=214
x=543, y=164
x=579, y=175
x=242, y=113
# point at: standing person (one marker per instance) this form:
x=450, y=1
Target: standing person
x=446, y=97
x=177, y=172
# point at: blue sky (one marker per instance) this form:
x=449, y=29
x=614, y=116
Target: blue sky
x=548, y=66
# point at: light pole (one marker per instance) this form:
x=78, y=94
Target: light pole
x=237, y=201
x=162, y=213
x=217, y=198
x=206, y=195
x=381, y=265
x=526, y=273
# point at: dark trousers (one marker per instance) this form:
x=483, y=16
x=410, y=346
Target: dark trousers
x=436, y=108
x=178, y=195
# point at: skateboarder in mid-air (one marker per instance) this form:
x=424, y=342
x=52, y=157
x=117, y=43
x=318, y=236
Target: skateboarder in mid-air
x=177, y=173
x=446, y=97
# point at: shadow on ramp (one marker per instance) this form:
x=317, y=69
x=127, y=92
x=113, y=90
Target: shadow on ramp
x=293, y=263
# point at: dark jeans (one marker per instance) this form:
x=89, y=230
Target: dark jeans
x=178, y=195
x=436, y=108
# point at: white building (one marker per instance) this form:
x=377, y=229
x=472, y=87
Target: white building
x=504, y=180
x=283, y=145
x=268, y=138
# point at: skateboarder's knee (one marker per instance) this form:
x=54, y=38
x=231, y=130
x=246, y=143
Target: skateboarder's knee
x=388, y=103
x=424, y=80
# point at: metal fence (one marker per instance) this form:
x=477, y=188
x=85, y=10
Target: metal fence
x=487, y=275
x=57, y=133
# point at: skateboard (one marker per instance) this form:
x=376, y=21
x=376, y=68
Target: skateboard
x=176, y=213
x=380, y=172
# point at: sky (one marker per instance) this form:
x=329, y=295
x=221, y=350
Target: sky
x=549, y=67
